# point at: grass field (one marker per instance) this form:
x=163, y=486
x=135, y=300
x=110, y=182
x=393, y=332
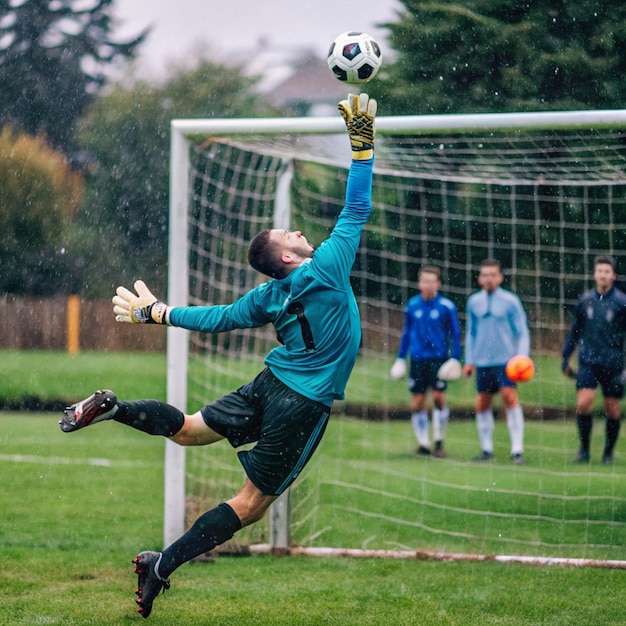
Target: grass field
x=31, y=377
x=78, y=507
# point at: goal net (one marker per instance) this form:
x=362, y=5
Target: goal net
x=544, y=193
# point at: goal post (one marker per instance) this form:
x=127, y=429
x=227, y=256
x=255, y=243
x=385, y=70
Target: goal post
x=187, y=133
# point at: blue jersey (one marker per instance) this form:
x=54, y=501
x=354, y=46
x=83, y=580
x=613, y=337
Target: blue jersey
x=496, y=328
x=313, y=309
x=431, y=329
x=598, y=329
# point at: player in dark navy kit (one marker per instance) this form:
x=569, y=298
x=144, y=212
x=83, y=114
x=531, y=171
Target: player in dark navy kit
x=285, y=409
x=431, y=335
x=598, y=330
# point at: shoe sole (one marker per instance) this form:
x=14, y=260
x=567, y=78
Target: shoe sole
x=85, y=413
x=142, y=569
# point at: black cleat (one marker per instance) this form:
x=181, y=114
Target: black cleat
x=607, y=458
x=101, y=405
x=581, y=457
x=518, y=458
x=484, y=456
x=150, y=583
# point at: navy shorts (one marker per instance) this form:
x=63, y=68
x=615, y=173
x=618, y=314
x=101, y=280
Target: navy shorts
x=286, y=426
x=423, y=376
x=491, y=379
x=610, y=379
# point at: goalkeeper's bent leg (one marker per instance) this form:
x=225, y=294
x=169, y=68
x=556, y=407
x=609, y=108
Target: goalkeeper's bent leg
x=150, y=416
x=210, y=530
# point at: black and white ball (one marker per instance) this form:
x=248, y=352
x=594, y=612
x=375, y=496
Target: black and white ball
x=354, y=57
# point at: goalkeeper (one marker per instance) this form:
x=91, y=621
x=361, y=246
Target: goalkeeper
x=431, y=336
x=286, y=408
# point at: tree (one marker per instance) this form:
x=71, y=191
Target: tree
x=53, y=57
x=39, y=193
x=126, y=133
x=497, y=55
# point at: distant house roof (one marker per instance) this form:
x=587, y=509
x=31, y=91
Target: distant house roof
x=296, y=79
x=311, y=81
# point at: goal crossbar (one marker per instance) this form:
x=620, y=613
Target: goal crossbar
x=401, y=124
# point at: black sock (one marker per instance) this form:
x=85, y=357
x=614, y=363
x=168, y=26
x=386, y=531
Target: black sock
x=211, y=529
x=584, y=431
x=150, y=416
x=612, y=431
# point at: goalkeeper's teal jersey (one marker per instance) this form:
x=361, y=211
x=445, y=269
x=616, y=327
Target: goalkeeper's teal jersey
x=313, y=309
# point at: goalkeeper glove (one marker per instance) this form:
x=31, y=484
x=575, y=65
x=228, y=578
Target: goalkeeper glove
x=358, y=112
x=398, y=369
x=140, y=308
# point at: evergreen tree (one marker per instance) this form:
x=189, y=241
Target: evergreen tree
x=53, y=57
x=127, y=135
x=497, y=55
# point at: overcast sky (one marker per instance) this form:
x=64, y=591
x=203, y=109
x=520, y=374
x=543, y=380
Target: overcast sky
x=183, y=27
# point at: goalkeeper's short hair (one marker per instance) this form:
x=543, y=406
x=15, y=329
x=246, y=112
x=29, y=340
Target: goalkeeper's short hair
x=264, y=256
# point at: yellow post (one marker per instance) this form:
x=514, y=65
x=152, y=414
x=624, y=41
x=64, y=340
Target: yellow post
x=73, y=324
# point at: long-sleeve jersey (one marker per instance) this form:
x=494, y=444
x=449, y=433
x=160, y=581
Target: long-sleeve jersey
x=598, y=329
x=431, y=329
x=313, y=309
x=496, y=329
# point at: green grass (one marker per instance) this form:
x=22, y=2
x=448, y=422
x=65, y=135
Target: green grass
x=77, y=508
x=366, y=489
x=48, y=377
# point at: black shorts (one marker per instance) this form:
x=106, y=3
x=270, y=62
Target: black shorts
x=423, y=376
x=492, y=379
x=286, y=426
x=610, y=379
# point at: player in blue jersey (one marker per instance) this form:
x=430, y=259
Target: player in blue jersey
x=431, y=335
x=496, y=330
x=285, y=409
x=598, y=330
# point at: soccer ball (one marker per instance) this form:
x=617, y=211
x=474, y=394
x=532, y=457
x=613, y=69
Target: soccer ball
x=520, y=368
x=354, y=57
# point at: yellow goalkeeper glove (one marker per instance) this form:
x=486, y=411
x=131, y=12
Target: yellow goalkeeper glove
x=358, y=112
x=140, y=308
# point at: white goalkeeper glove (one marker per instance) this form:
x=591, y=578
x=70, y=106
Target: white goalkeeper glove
x=140, y=308
x=398, y=369
x=358, y=112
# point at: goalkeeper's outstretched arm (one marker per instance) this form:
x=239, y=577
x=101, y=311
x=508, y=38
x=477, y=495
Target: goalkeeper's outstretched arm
x=358, y=112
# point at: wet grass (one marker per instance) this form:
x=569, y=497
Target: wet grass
x=76, y=508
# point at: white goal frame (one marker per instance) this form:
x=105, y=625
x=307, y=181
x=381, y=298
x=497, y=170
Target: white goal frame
x=182, y=132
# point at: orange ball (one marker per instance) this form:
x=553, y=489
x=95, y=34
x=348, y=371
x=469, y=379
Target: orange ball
x=520, y=368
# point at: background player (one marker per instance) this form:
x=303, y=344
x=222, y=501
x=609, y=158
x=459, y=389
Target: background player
x=431, y=335
x=496, y=330
x=285, y=409
x=598, y=331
